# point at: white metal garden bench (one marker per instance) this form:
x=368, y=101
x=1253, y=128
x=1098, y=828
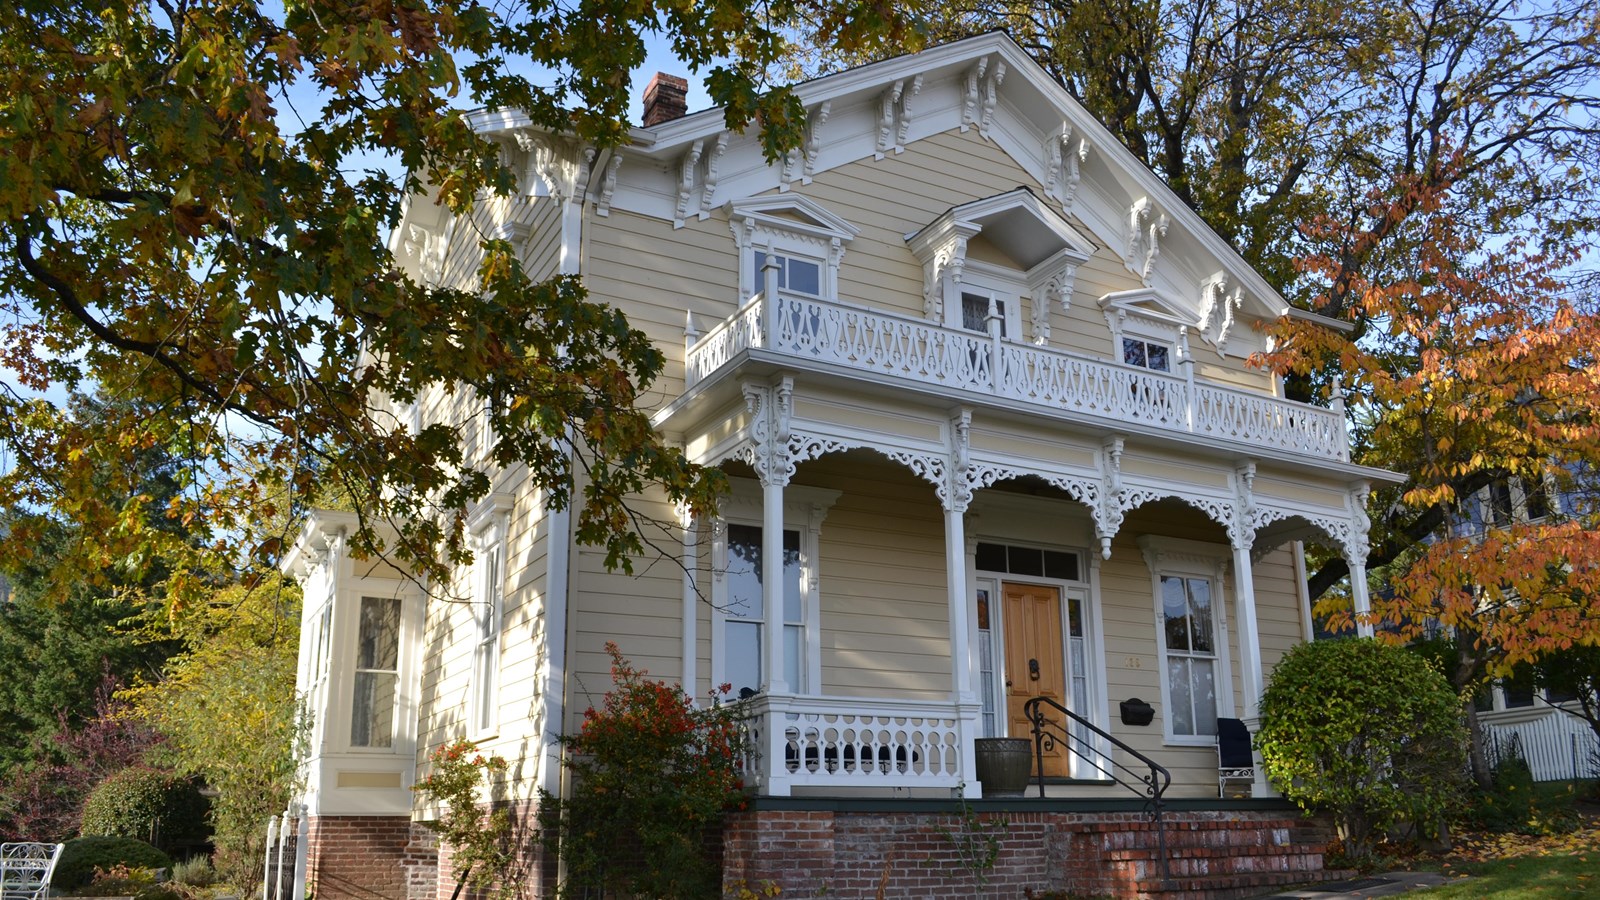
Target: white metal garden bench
x=25, y=869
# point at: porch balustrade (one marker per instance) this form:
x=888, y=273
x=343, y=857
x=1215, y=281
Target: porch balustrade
x=854, y=742
x=834, y=334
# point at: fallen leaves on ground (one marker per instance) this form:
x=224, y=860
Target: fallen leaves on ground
x=1476, y=846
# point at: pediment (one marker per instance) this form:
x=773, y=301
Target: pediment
x=1147, y=303
x=792, y=212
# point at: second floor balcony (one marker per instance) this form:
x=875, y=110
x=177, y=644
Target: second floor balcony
x=811, y=333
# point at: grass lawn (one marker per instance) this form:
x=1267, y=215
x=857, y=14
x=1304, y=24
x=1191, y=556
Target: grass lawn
x=1528, y=877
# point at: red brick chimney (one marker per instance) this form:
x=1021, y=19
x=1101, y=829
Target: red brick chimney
x=666, y=97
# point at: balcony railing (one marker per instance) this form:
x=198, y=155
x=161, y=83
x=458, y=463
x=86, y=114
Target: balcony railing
x=828, y=333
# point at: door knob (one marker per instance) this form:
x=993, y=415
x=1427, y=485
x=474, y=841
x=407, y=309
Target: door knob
x=1033, y=669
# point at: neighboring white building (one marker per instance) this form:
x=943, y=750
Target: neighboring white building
x=978, y=377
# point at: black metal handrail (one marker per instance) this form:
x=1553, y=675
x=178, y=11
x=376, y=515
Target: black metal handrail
x=1150, y=785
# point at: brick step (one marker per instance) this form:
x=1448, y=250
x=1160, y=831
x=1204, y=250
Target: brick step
x=1229, y=887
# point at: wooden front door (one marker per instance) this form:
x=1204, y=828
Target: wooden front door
x=1033, y=661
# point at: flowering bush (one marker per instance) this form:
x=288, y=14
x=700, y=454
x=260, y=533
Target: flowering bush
x=479, y=841
x=652, y=776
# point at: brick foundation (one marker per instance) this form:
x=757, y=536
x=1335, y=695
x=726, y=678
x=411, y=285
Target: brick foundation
x=370, y=858
x=534, y=868
x=1212, y=854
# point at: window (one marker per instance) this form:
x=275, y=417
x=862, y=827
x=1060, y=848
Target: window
x=1147, y=354
x=1011, y=559
x=1191, y=636
x=802, y=235
x=490, y=612
x=738, y=617
x=801, y=276
x=377, y=673
x=317, y=675
x=987, y=687
x=1147, y=329
x=975, y=313
x=1188, y=622
x=746, y=613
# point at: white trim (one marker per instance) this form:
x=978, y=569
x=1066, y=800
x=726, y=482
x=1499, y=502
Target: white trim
x=1191, y=559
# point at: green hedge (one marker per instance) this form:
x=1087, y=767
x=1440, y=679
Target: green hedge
x=149, y=804
x=85, y=854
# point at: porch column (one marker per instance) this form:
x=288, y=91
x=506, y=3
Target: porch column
x=1358, y=595
x=955, y=565
x=691, y=609
x=1250, y=680
x=1355, y=553
x=955, y=495
x=772, y=584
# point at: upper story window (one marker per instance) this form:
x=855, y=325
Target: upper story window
x=1147, y=354
x=802, y=276
x=803, y=236
x=1146, y=328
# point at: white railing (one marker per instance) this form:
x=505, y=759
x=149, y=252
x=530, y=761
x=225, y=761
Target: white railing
x=853, y=742
x=825, y=332
x=1557, y=746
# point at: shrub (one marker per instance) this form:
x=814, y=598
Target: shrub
x=653, y=775
x=122, y=881
x=1366, y=731
x=196, y=871
x=84, y=855
x=479, y=843
x=161, y=807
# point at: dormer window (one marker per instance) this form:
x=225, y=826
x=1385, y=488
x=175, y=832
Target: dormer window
x=1010, y=246
x=805, y=239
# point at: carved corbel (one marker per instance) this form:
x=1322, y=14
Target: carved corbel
x=1242, y=530
x=886, y=110
x=957, y=491
x=1062, y=166
x=819, y=118
x=1220, y=303
x=972, y=92
x=708, y=187
x=991, y=96
x=1054, y=288
x=905, y=113
x=608, y=187
x=688, y=169
x=1146, y=227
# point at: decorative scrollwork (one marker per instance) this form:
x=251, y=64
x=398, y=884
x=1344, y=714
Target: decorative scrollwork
x=805, y=447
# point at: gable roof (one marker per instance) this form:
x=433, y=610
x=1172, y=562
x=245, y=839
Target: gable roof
x=1000, y=75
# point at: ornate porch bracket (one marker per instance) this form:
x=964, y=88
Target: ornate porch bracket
x=771, y=409
x=1108, y=515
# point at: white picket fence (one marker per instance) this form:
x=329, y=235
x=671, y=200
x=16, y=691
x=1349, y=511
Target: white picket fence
x=1557, y=746
x=285, y=869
